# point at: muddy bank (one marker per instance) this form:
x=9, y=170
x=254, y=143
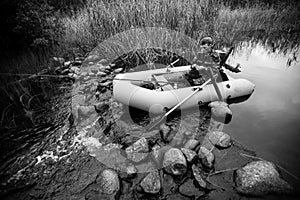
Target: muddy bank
x=102, y=151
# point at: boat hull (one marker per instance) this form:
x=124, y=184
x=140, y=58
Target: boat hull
x=157, y=102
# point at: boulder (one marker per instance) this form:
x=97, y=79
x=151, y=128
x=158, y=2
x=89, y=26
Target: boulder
x=58, y=60
x=207, y=157
x=189, y=154
x=75, y=70
x=92, y=58
x=94, y=70
x=174, y=162
x=126, y=170
x=214, y=104
x=67, y=63
x=92, y=75
x=107, y=68
x=131, y=170
x=71, y=75
x=101, y=67
x=77, y=63
x=151, y=183
x=111, y=156
x=191, y=144
x=105, y=84
x=219, y=139
x=83, y=74
x=109, y=182
x=259, y=178
x=116, y=71
x=198, y=176
x=79, y=58
x=138, y=150
x=103, y=61
x=112, y=65
x=156, y=153
x=146, y=166
x=101, y=107
x=85, y=110
x=101, y=74
x=164, y=131
x=220, y=111
x=176, y=139
x=65, y=71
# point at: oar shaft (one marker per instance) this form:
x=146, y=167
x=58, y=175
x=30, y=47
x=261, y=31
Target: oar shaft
x=210, y=72
x=179, y=104
x=173, y=63
x=188, y=97
x=121, y=79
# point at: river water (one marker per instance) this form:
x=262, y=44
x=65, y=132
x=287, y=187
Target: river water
x=269, y=122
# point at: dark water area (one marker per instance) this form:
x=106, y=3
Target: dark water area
x=269, y=121
x=31, y=111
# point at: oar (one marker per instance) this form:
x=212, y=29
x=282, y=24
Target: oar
x=210, y=73
x=166, y=82
x=172, y=64
x=125, y=79
x=179, y=104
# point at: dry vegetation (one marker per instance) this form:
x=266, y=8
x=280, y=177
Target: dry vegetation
x=78, y=26
x=275, y=25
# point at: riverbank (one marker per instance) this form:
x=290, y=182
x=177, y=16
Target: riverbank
x=91, y=154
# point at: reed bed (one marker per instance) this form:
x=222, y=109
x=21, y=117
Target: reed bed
x=99, y=20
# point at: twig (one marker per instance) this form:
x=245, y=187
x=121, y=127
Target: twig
x=223, y=156
x=241, y=145
x=249, y=156
x=216, y=185
x=222, y=171
x=212, y=148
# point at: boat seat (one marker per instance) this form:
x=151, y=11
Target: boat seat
x=161, y=80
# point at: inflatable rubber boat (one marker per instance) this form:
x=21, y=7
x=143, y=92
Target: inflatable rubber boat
x=159, y=90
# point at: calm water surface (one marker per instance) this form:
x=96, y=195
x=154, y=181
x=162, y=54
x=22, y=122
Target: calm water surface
x=269, y=122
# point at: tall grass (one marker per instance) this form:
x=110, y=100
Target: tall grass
x=275, y=26
x=99, y=20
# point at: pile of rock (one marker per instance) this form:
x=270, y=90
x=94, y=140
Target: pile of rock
x=68, y=68
x=92, y=69
x=256, y=178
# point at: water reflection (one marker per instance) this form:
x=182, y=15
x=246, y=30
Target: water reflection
x=269, y=120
